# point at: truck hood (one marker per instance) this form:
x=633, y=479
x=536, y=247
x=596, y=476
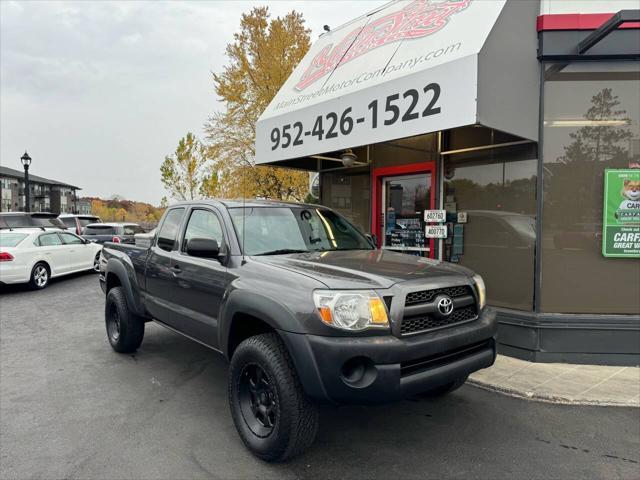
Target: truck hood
x=352, y=269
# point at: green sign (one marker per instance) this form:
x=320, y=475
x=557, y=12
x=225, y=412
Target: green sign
x=621, y=214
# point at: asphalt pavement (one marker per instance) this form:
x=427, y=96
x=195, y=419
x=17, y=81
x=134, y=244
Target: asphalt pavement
x=72, y=408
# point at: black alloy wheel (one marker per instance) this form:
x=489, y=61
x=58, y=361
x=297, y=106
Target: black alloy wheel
x=113, y=323
x=125, y=329
x=257, y=400
x=273, y=416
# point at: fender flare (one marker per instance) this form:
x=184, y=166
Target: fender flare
x=274, y=314
x=284, y=322
x=116, y=267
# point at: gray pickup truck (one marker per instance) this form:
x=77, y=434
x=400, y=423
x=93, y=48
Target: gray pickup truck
x=305, y=308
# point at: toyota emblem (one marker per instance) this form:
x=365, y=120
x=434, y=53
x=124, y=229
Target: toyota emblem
x=445, y=305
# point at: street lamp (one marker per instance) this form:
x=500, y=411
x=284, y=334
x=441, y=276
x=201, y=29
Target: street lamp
x=26, y=161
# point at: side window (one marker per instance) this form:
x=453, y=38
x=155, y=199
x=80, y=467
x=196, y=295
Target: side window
x=49, y=240
x=169, y=230
x=69, y=222
x=203, y=224
x=132, y=229
x=70, y=239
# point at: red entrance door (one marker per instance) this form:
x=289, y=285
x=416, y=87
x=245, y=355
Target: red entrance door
x=400, y=196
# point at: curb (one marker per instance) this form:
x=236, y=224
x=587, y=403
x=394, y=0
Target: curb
x=548, y=398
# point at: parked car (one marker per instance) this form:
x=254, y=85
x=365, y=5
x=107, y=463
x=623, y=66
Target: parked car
x=304, y=307
x=29, y=219
x=112, y=232
x=35, y=255
x=78, y=222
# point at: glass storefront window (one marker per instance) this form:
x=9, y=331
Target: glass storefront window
x=591, y=123
x=350, y=195
x=496, y=191
x=404, y=151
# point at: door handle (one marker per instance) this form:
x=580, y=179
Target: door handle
x=176, y=269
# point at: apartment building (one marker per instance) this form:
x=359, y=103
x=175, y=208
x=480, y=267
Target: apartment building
x=45, y=195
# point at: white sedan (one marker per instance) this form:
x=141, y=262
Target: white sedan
x=33, y=255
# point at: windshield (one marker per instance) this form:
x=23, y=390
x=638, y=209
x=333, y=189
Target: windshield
x=11, y=239
x=69, y=221
x=14, y=221
x=100, y=230
x=46, y=221
x=84, y=221
x=274, y=230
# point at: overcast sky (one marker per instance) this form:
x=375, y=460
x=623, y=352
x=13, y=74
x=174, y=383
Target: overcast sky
x=99, y=92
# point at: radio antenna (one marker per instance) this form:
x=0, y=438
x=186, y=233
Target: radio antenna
x=244, y=209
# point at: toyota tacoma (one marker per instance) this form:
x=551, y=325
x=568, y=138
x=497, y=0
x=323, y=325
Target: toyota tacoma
x=303, y=306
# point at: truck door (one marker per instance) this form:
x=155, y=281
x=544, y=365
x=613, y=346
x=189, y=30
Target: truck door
x=200, y=283
x=160, y=278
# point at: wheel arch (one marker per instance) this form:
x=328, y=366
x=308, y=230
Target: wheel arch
x=246, y=312
x=116, y=276
x=45, y=263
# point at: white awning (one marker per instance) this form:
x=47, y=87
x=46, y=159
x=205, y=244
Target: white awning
x=408, y=68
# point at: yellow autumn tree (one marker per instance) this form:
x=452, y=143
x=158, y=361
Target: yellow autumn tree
x=187, y=174
x=262, y=56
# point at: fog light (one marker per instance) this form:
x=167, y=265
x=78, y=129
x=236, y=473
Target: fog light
x=359, y=372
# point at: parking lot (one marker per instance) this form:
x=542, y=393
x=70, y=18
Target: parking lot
x=72, y=408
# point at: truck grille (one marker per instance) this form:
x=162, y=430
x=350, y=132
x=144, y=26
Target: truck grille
x=422, y=316
x=427, y=296
x=427, y=322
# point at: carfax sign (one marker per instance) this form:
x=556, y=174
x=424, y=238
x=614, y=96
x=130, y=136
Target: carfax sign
x=621, y=214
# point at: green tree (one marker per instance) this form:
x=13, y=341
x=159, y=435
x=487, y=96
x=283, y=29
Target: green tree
x=602, y=143
x=264, y=53
x=607, y=138
x=187, y=174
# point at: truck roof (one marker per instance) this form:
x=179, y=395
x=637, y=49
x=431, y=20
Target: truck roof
x=111, y=224
x=249, y=203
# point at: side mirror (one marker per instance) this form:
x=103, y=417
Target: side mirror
x=203, y=247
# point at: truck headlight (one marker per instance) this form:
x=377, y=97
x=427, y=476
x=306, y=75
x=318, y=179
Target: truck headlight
x=482, y=291
x=351, y=309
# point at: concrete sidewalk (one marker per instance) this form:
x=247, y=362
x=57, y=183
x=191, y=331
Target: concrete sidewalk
x=562, y=382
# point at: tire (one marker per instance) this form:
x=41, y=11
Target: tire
x=125, y=330
x=275, y=419
x=96, y=263
x=446, y=388
x=40, y=276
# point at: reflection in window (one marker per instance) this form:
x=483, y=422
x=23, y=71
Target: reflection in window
x=203, y=224
x=405, y=200
x=349, y=195
x=496, y=189
x=591, y=115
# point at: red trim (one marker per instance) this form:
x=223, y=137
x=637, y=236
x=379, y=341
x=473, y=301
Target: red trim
x=376, y=192
x=577, y=21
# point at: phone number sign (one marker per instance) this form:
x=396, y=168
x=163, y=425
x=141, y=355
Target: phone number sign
x=621, y=214
x=427, y=101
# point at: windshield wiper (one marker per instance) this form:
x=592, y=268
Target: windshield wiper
x=282, y=251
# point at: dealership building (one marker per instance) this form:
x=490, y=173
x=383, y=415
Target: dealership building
x=491, y=134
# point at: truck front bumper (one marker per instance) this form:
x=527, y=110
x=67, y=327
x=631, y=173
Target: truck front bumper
x=380, y=369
